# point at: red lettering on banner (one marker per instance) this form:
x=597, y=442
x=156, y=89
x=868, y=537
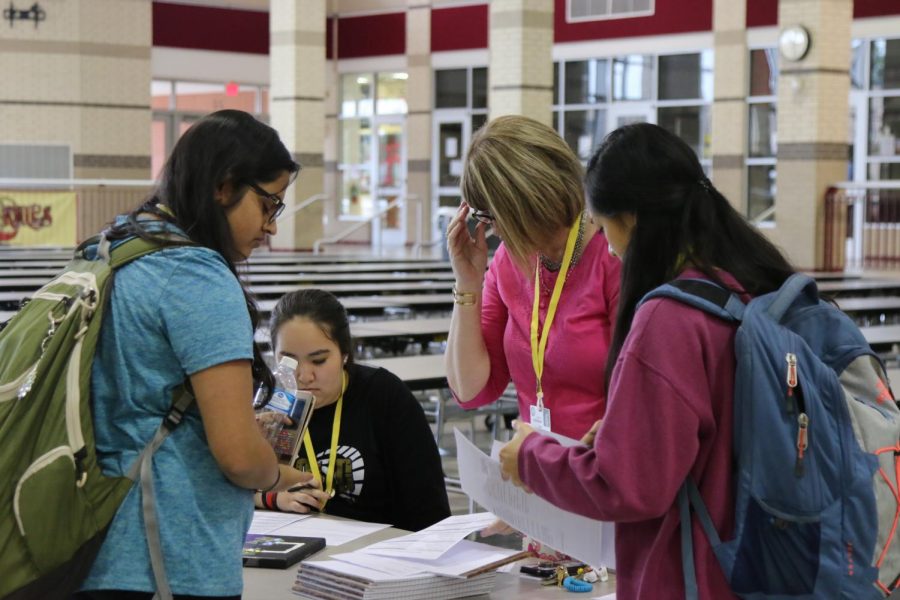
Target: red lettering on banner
x=13, y=217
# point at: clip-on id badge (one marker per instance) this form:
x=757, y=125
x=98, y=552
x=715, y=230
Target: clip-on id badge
x=540, y=416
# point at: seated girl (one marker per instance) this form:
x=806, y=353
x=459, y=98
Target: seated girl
x=387, y=466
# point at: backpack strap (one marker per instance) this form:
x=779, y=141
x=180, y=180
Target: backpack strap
x=702, y=294
x=129, y=250
x=795, y=286
x=689, y=497
x=143, y=468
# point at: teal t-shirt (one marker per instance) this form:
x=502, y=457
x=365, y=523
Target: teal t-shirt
x=171, y=314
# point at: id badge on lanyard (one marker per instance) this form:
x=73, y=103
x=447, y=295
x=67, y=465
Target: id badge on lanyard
x=540, y=416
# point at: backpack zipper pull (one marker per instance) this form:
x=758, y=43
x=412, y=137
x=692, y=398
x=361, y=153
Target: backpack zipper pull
x=791, y=360
x=802, y=442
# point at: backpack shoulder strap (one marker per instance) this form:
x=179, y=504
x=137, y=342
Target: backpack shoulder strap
x=129, y=250
x=702, y=294
x=143, y=469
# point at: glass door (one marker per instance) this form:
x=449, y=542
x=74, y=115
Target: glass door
x=390, y=178
x=625, y=113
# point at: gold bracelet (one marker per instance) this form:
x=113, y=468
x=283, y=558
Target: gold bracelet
x=463, y=298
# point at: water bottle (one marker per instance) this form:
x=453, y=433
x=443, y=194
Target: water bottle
x=286, y=400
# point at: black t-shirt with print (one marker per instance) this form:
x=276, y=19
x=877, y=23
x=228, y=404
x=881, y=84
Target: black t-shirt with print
x=388, y=467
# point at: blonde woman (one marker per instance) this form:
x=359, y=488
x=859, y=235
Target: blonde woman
x=522, y=181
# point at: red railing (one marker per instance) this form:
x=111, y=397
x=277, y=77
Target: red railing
x=862, y=226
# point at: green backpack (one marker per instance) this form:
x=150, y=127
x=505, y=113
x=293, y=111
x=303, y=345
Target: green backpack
x=55, y=503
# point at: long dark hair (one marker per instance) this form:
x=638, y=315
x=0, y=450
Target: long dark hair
x=320, y=307
x=681, y=219
x=225, y=147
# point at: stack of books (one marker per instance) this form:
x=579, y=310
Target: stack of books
x=437, y=563
x=339, y=580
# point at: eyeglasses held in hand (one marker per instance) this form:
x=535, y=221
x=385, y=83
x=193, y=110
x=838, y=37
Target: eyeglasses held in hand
x=483, y=216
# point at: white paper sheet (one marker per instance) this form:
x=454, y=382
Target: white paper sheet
x=432, y=542
x=563, y=440
x=462, y=558
x=267, y=521
x=585, y=539
x=335, y=532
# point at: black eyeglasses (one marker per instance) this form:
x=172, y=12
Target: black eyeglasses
x=483, y=216
x=277, y=204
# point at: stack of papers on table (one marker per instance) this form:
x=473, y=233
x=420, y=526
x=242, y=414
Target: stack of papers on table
x=435, y=563
x=339, y=580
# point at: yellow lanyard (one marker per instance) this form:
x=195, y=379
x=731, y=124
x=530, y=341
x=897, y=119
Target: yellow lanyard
x=539, y=338
x=335, y=433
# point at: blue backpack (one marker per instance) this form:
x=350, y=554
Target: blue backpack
x=816, y=446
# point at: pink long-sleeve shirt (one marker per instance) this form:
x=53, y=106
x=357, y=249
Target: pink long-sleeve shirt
x=579, y=339
x=669, y=415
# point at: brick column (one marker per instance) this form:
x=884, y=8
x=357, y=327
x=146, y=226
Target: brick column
x=729, y=109
x=81, y=77
x=521, y=63
x=418, y=119
x=812, y=124
x=297, y=91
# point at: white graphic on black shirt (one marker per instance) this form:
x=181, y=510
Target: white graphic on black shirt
x=350, y=473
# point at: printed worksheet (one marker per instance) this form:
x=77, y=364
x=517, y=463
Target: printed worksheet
x=431, y=543
x=583, y=538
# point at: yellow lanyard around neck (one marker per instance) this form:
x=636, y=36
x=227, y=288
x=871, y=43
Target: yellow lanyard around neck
x=335, y=434
x=539, y=338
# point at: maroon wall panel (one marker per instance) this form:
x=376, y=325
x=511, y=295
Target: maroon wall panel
x=875, y=8
x=762, y=13
x=459, y=28
x=209, y=28
x=372, y=35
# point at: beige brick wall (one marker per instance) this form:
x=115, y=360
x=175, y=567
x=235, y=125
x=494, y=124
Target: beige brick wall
x=729, y=109
x=812, y=125
x=297, y=91
x=83, y=79
x=521, y=64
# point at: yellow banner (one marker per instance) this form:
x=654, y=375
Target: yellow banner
x=37, y=218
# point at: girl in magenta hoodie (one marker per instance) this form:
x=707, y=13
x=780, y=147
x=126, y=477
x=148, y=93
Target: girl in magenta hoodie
x=670, y=371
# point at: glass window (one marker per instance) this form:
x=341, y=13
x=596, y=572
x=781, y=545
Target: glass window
x=356, y=188
x=356, y=95
x=884, y=126
x=680, y=77
x=477, y=121
x=885, y=64
x=209, y=97
x=763, y=72
x=761, y=191
x=578, y=82
x=390, y=155
x=450, y=88
x=391, y=94
x=583, y=130
x=690, y=123
x=632, y=77
x=161, y=95
x=158, y=134
x=479, y=87
x=555, y=83
x=858, y=65
x=763, y=125
x=356, y=148
x=884, y=171
x=450, y=141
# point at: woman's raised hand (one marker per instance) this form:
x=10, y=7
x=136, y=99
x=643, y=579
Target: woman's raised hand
x=468, y=254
